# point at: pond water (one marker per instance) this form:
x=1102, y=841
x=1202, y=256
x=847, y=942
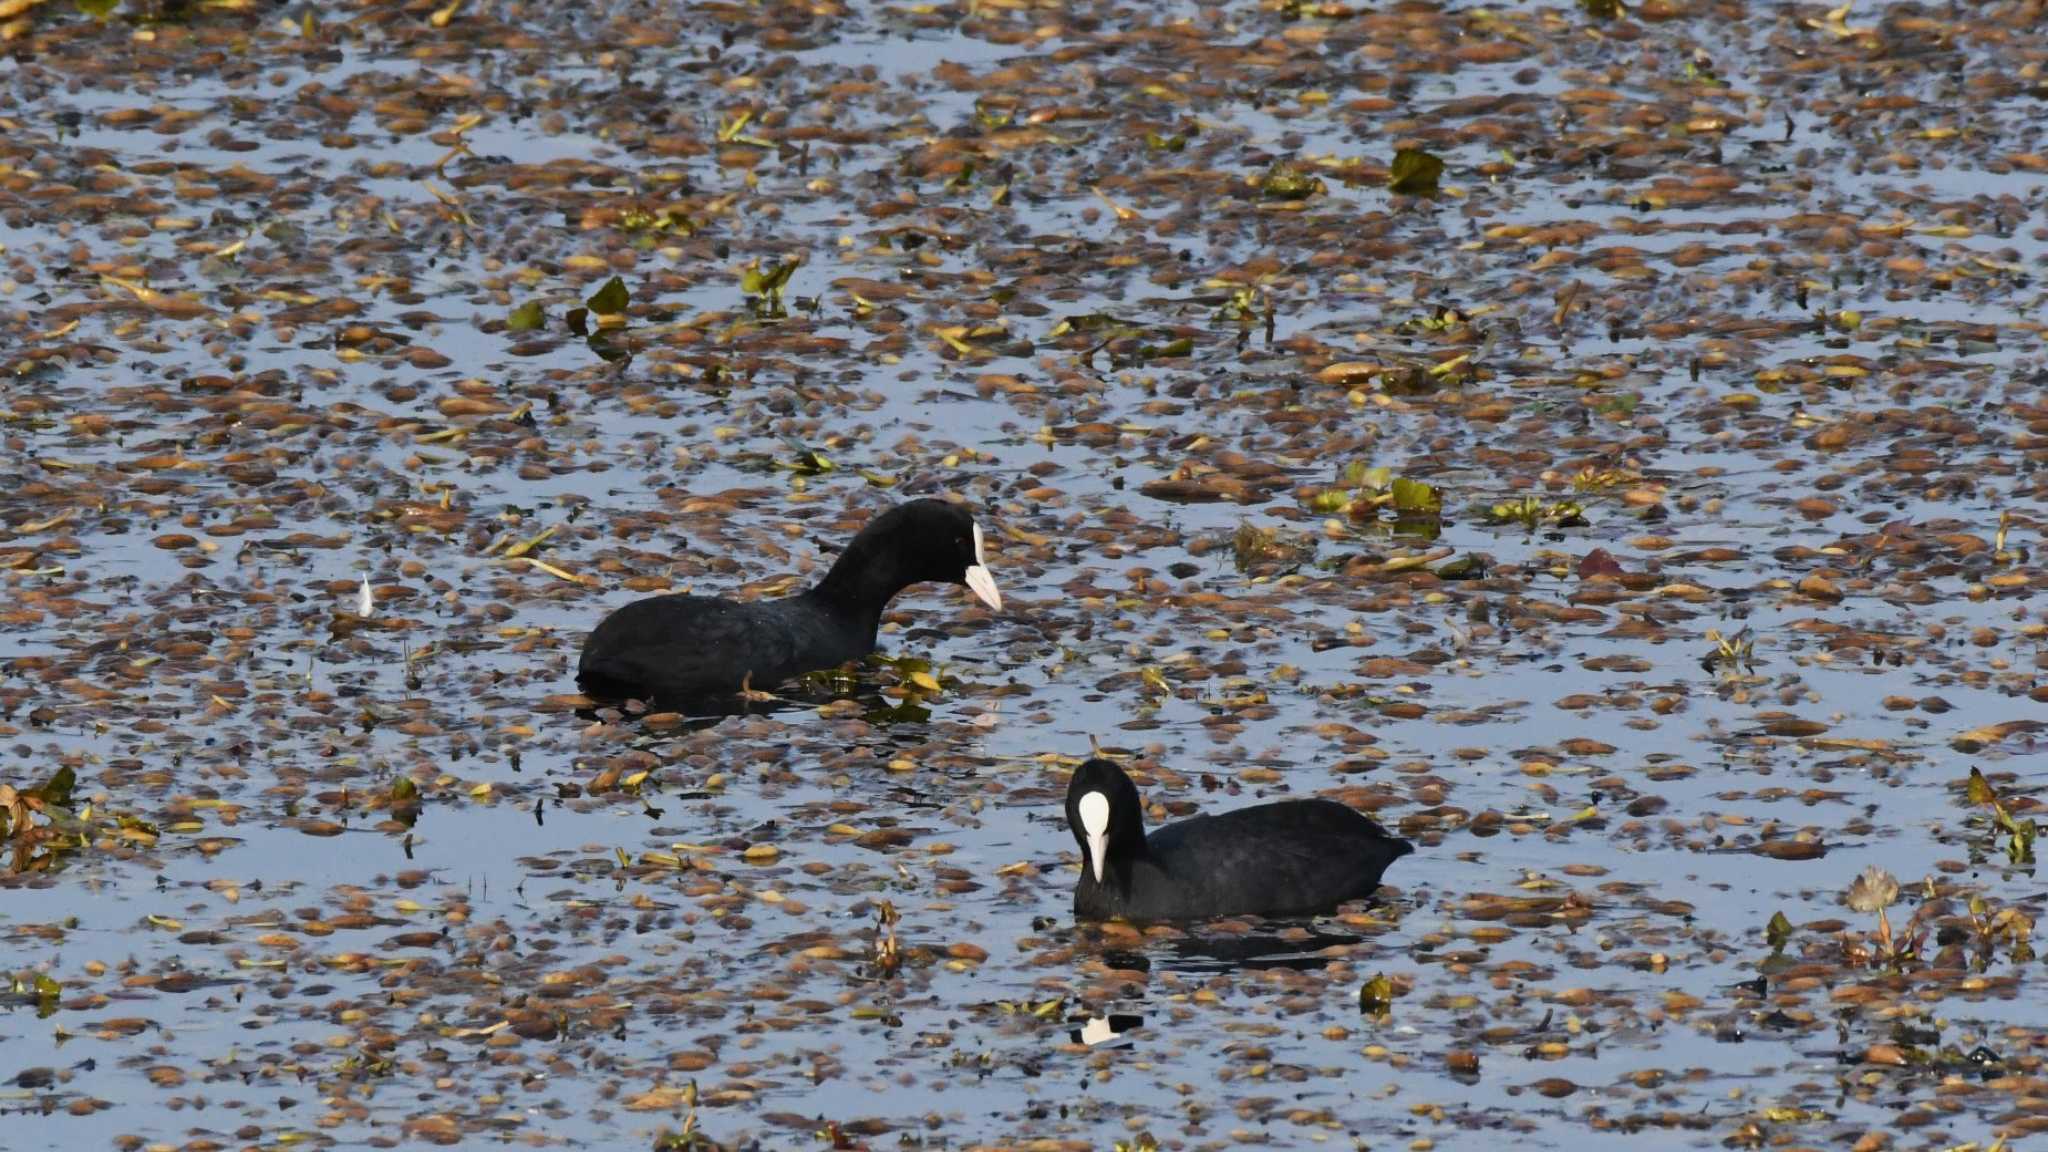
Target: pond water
x=1720, y=344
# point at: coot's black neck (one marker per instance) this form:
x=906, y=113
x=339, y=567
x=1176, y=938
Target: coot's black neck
x=1118, y=882
x=861, y=584
x=1126, y=846
x=1127, y=849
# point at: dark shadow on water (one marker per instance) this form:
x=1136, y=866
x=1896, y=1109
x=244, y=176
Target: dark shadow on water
x=697, y=714
x=1256, y=951
x=1300, y=945
x=803, y=693
x=1223, y=946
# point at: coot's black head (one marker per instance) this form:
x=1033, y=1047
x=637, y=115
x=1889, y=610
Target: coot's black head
x=1106, y=817
x=920, y=541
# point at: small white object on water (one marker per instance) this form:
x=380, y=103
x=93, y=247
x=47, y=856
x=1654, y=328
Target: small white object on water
x=364, y=603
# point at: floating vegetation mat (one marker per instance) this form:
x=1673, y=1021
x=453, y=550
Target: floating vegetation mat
x=1606, y=441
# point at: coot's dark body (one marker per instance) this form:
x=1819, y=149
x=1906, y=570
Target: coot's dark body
x=1289, y=858
x=680, y=649
x=693, y=647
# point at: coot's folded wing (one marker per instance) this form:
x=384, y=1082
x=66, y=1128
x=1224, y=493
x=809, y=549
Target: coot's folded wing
x=1292, y=857
x=687, y=647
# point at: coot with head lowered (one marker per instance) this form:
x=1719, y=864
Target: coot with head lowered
x=682, y=649
x=1289, y=858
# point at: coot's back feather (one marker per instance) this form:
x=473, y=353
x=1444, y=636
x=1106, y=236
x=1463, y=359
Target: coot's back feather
x=690, y=646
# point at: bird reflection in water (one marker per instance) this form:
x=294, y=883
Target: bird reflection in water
x=1102, y=1029
x=1251, y=951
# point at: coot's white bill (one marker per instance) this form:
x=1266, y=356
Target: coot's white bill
x=979, y=581
x=1095, y=823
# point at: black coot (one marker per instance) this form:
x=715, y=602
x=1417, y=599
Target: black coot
x=1290, y=858
x=679, y=649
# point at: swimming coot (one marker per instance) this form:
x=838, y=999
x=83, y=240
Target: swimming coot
x=684, y=648
x=1293, y=857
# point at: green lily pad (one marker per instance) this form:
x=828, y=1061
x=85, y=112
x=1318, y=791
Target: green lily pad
x=58, y=788
x=1415, y=172
x=528, y=316
x=1284, y=181
x=1376, y=998
x=767, y=282
x=611, y=299
x=1778, y=931
x=1415, y=499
